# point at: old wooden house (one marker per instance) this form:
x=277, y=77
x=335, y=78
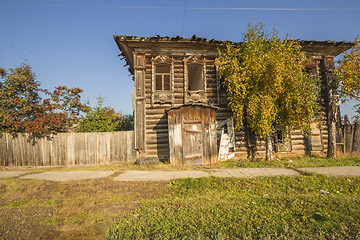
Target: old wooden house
x=179, y=102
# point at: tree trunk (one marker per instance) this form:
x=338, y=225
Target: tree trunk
x=333, y=104
x=331, y=151
x=332, y=117
x=269, y=148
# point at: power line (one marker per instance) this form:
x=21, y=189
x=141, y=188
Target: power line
x=181, y=8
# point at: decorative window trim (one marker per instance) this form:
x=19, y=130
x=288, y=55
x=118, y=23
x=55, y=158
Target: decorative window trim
x=198, y=95
x=162, y=96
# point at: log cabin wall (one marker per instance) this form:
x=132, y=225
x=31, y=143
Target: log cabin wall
x=143, y=55
x=157, y=138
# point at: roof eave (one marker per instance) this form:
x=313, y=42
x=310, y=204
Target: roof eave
x=329, y=48
x=129, y=44
x=125, y=52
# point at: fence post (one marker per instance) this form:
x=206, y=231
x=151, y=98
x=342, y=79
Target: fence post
x=347, y=135
x=356, y=137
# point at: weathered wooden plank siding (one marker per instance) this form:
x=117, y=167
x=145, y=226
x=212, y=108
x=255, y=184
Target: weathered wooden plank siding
x=68, y=149
x=192, y=135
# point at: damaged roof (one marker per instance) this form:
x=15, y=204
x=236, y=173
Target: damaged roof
x=129, y=44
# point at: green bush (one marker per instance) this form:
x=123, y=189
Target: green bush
x=104, y=119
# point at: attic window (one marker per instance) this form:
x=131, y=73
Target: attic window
x=162, y=78
x=195, y=77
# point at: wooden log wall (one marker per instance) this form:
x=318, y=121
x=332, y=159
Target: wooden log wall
x=66, y=149
x=157, y=138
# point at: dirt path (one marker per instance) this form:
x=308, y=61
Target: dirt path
x=169, y=175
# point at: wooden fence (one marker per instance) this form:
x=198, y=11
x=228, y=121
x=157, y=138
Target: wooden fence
x=349, y=137
x=67, y=149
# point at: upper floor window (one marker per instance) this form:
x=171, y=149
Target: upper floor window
x=162, y=77
x=162, y=80
x=195, y=77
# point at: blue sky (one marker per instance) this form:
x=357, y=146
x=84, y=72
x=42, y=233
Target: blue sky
x=71, y=42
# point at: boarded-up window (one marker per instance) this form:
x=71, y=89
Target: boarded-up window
x=162, y=78
x=195, y=77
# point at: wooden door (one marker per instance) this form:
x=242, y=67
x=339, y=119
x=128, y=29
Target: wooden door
x=193, y=139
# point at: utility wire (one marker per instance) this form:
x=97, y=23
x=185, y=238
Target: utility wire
x=181, y=8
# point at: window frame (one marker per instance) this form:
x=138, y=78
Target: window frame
x=162, y=96
x=196, y=96
x=201, y=77
x=162, y=77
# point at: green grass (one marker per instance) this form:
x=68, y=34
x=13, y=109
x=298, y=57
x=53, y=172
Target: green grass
x=294, y=162
x=37, y=209
x=260, y=208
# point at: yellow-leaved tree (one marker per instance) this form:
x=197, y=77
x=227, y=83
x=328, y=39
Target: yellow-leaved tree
x=267, y=83
x=344, y=86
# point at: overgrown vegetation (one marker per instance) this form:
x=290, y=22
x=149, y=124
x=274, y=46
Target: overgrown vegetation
x=267, y=85
x=348, y=75
x=26, y=108
x=104, y=119
x=262, y=208
x=344, y=85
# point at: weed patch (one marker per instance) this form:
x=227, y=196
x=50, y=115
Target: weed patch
x=32, y=209
x=261, y=208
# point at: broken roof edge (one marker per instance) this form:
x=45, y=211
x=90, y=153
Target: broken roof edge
x=158, y=38
x=194, y=38
x=332, y=48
